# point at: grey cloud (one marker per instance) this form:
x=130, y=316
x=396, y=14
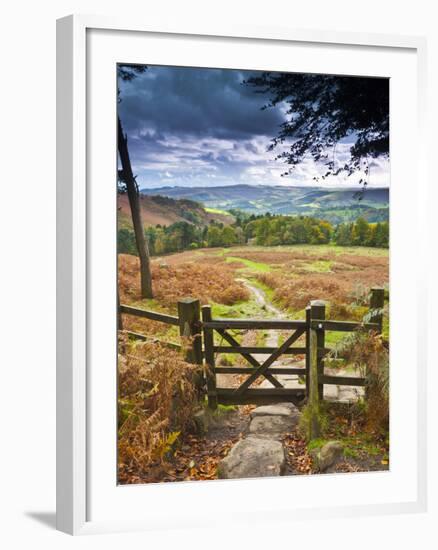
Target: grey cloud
x=202, y=102
x=189, y=126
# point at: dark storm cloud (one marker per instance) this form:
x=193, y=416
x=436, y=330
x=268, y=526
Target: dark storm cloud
x=199, y=102
x=195, y=127
x=190, y=126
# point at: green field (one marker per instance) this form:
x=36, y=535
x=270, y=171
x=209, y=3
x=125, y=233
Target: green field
x=289, y=277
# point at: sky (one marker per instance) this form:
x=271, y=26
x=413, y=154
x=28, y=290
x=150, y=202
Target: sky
x=196, y=127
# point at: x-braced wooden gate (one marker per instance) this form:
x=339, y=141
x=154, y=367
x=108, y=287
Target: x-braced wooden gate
x=310, y=333
x=244, y=393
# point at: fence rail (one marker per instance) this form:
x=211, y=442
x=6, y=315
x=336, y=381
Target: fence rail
x=343, y=380
x=253, y=324
x=273, y=370
x=152, y=315
x=258, y=396
x=153, y=340
x=199, y=347
x=259, y=350
x=342, y=326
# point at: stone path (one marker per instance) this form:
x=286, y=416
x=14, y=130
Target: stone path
x=261, y=453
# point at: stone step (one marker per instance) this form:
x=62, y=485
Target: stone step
x=261, y=454
x=253, y=457
x=280, y=409
x=272, y=421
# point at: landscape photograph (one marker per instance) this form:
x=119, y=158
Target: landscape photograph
x=253, y=242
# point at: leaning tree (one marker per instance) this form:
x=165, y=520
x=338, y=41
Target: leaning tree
x=127, y=182
x=322, y=110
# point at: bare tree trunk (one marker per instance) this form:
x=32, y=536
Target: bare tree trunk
x=134, y=202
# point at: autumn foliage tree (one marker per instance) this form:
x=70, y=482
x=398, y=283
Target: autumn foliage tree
x=362, y=233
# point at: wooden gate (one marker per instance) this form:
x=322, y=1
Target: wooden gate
x=311, y=330
x=245, y=393
x=315, y=323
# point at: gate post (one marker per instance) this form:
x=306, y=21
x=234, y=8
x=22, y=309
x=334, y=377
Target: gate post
x=317, y=311
x=313, y=389
x=189, y=316
x=209, y=359
x=307, y=360
x=377, y=301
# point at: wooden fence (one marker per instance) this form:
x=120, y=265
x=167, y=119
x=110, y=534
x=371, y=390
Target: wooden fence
x=197, y=328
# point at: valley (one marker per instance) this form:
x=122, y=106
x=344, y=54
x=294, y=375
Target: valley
x=336, y=205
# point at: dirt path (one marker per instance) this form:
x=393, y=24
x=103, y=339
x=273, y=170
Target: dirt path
x=267, y=310
x=342, y=394
x=265, y=306
x=272, y=339
x=260, y=298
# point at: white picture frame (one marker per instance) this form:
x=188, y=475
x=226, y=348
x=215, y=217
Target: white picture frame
x=76, y=229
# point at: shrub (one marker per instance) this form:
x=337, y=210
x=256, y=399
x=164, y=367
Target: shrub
x=367, y=352
x=204, y=281
x=360, y=294
x=296, y=293
x=345, y=287
x=126, y=242
x=156, y=401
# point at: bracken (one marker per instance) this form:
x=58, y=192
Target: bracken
x=173, y=282
x=156, y=400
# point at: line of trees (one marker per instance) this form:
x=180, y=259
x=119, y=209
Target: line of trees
x=278, y=230
x=362, y=233
x=263, y=230
x=182, y=236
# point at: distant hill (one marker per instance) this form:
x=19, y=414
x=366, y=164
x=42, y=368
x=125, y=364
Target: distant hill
x=166, y=211
x=333, y=204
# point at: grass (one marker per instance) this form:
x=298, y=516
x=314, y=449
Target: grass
x=354, y=447
x=247, y=308
x=314, y=249
x=332, y=338
x=361, y=444
x=249, y=264
x=217, y=211
x=318, y=266
x=346, y=424
x=224, y=409
x=261, y=336
x=316, y=444
x=332, y=278
x=289, y=276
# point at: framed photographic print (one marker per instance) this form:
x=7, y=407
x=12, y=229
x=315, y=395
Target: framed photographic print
x=239, y=275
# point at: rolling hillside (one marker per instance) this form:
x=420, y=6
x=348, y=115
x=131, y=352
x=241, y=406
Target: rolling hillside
x=166, y=211
x=334, y=204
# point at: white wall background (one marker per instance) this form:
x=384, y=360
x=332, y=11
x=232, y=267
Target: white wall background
x=27, y=305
